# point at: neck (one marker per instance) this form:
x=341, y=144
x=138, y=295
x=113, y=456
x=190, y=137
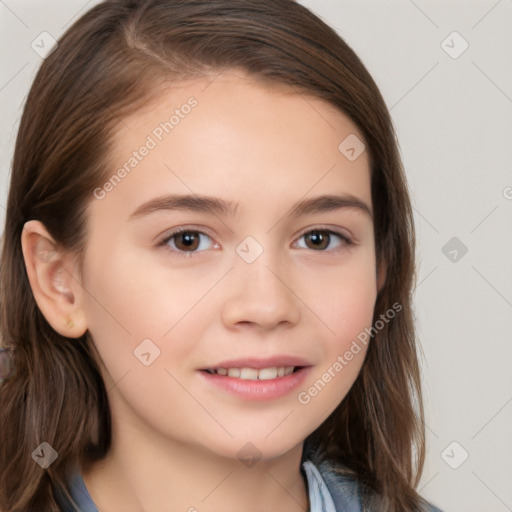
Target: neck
x=151, y=473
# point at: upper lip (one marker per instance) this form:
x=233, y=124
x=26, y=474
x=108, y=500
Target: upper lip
x=258, y=362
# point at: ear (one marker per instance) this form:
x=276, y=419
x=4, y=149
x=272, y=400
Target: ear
x=53, y=275
x=381, y=275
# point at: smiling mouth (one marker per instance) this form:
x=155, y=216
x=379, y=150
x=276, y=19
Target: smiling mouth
x=247, y=373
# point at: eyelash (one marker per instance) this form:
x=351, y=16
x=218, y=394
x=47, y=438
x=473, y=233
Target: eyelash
x=345, y=240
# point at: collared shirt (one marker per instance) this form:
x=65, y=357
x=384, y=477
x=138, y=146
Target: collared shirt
x=320, y=498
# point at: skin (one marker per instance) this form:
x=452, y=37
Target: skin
x=176, y=438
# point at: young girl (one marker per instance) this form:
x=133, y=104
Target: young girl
x=206, y=272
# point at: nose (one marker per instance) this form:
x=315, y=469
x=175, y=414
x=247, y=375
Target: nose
x=261, y=295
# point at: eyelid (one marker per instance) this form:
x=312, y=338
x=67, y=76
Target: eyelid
x=168, y=233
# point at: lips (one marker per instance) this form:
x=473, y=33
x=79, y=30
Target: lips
x=257, y=379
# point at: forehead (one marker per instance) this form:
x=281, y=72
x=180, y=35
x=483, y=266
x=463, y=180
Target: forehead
x=234, y=137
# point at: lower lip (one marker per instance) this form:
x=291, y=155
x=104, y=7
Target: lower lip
x=258, y=390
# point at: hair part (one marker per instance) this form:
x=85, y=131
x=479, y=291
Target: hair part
x=110, y=63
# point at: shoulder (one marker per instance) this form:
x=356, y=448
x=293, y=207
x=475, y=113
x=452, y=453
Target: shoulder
x=76, y=496
x=347, y=492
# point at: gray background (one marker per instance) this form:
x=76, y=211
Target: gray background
x=454, y=122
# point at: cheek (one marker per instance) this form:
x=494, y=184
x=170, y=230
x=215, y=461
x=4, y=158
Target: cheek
x=352, y=321
x=350, y=312
x=135, y=307
x=343, y=356
x=345, y=302
x=121, y=309
x=345, y=299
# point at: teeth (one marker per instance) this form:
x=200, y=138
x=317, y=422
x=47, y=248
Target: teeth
x=267, y=373
x=254, y=373
x=249, y=373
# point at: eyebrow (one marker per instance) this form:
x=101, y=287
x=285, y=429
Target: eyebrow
x=208, y=204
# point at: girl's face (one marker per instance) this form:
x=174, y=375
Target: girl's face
x=266, y=276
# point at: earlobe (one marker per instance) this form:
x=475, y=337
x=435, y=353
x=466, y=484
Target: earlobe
x=50, y=270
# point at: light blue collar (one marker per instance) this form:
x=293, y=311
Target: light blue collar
x=319, y=495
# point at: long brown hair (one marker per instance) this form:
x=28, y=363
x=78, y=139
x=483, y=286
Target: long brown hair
x=106, y=66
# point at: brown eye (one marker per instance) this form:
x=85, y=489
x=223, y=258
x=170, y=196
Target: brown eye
x=322, y=239
x=317, y=239
x=187, y=241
